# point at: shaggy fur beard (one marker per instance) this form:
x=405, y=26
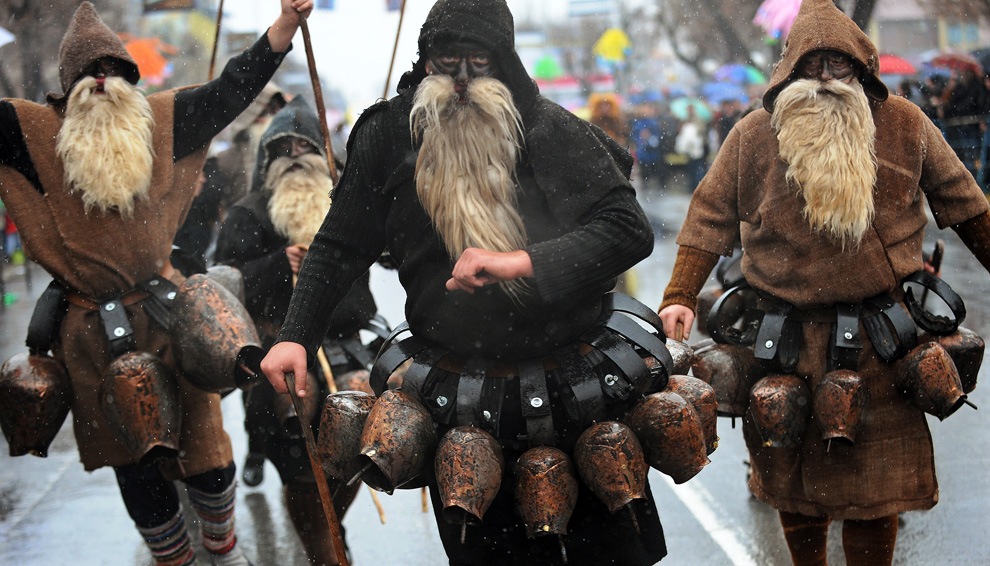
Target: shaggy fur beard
x=827, y=137
x=300, y=197
x=105, y=144
x=465, y=172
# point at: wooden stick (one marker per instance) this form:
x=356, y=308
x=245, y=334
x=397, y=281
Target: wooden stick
x=321, y=109
x=424, y=499
x=679, y=332
x=216, y=41
x=321, y=478
x=378, y=504
x=327, y=372
x=395, y=49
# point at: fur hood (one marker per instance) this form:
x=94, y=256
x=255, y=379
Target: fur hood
x=821, y=25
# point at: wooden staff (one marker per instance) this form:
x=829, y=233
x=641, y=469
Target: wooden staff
x=395, y=48
x=321, y=109
x=216, y=41
x=321, y=479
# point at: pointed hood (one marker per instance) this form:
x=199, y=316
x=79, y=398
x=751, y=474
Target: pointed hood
x=296, y=119
x=821, y=25
x=86, y=40
x=488, y=22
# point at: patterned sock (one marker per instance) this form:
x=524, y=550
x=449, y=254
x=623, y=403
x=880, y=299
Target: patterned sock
x=216, y=511
x=169, y=543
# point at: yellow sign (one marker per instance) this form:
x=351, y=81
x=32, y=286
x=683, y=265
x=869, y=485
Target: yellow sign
x=613, y=45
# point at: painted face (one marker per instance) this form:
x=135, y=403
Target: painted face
x=289, y=146
x=826, y=65
x=104, y=68
x=461, y=60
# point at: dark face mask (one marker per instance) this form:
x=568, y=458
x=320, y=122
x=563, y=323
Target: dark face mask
x=462, y=61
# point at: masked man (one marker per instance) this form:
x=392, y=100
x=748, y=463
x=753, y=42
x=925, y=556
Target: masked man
x=824, y=190
x=509, y=219
x=98, y=181
x=266, y=235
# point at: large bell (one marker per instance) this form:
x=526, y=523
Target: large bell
x=398, y=442
x=285, y=411
x=140, y=399
x=702, y=397
x=230, y=278
x=966, y=348
x=781, y=406
x=354, y=380
x=838, y=405
x=35, y=397
x=683, y=355
x=731, y=370
x=928, y=374
x=215, y=341
x=669, y=429
x=469, y=467
x=611, y=462
x=546, y=490
x=339, y=441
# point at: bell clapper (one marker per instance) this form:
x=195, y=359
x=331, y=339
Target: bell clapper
x=563, y=549
x=360, y=473
x=463, y=529
x=632, y=515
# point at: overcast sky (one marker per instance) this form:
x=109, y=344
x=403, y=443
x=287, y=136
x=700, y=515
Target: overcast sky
x=353, y=43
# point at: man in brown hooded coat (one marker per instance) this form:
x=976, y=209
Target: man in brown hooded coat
x=824, y=190
x=98, y=181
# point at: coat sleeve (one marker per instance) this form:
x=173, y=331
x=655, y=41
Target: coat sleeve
x=265, y=275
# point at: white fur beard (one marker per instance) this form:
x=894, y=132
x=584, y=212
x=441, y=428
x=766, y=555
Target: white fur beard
x=465, y=170
x=300, y=197
x=828, y=139
x=105, y=144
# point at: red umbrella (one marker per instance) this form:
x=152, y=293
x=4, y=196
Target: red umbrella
x=894, y=65
x=958, y=62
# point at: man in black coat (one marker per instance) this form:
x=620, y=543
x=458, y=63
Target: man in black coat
x=509, y=219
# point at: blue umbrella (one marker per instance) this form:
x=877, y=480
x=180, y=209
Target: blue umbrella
x=740, y=74
x=679, y=108
x=716, y=93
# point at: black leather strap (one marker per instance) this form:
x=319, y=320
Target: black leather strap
x=723, y=331
x=846, y=342
x=927, y=320
x=392, y=356
x=535, y=404
x=770, y=332
x=624, y=303
x=358, y=352
x=161, y=297
x=891, y=330
x=379, y=326
x=421, y=381
x=580, y=390
x=639, y=336
x=635, y=374
x=117, y=327
x=469, y=392
x=46, y=319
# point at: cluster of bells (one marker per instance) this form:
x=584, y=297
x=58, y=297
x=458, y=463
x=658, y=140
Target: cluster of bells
x=391, y=442
x=214, y=342
x=937, y=376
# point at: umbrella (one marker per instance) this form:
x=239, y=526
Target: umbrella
x=716, y=93
x=894, y=65
x=147, y=52
x=957, y=62
x=679, y=108
x=777, y=16
x=740, y=74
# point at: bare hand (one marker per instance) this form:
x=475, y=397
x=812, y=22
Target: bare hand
x=281, y=32
x=283, y=358
x=297, y=8
x=296, y=254
x=677, y=321
x=477, y=268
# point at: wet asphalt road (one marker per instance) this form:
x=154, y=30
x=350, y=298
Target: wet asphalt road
x=53, y=513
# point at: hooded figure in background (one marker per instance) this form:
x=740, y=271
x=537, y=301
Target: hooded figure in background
x=509, y=219
x=824, y=188
x=98, y=181
x=266, y=235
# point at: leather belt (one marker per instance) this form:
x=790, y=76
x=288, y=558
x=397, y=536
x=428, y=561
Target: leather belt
x=127, y=299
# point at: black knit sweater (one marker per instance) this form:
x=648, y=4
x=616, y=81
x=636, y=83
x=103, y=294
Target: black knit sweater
x=581, y=215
